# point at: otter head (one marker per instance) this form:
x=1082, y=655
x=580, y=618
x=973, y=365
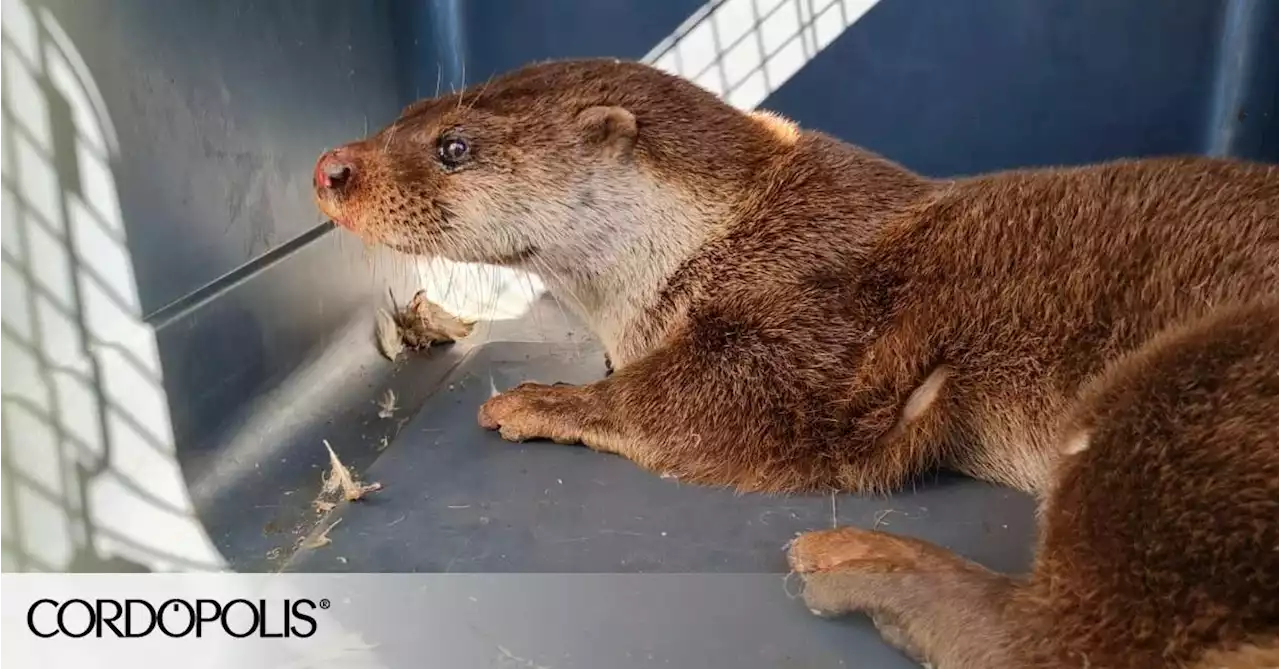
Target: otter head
x=601, y=176
x=557, y=159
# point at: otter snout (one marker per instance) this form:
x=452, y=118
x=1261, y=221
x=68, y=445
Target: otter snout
x=334, y=170
x=333, y=181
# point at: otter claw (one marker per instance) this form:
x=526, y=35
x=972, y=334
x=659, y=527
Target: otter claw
x=530, y=411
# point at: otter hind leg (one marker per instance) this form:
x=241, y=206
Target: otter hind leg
x=1157, y=539
x=933, y=605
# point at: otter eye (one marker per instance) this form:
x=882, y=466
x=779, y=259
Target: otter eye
x=452, y=151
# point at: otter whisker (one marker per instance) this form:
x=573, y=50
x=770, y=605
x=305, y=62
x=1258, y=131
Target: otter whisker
x=565, y=286
x=390, y=133
x=462, y=85
x=562, y=290
x=536, y=297
x=474, y=249
x=483, y=88
x=479, y=270
x=493, y=301
x=528, y=279
x=451, y=265
x=424, y=246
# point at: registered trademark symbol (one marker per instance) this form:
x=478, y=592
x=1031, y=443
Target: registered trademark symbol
x=324, y=604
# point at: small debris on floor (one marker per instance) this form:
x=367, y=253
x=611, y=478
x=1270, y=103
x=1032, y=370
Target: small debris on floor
x=322, y=506
x=417, y=326
x=387, y=405
x=340, y=479
x=508, y=656
x=322, y=539
x=423, y=323
x=390, y=343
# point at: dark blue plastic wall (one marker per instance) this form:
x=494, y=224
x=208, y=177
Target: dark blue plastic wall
x=962, y=87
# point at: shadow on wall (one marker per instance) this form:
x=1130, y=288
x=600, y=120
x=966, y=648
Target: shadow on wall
x=741, y=50
x=90, y=479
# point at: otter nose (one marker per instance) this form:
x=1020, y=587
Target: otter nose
x=334, y=170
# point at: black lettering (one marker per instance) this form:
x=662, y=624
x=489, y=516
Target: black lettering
x=176, y=605
x=226, y=616
x=202, y=618
x=303, y=616
x=31, y=619
x=129, y=607
x=264, y=630
x=62, y=612
x=109, y=620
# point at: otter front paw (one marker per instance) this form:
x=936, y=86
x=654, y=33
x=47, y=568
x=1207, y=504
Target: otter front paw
x=534, y=411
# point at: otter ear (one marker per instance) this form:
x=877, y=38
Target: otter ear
x=613, y=129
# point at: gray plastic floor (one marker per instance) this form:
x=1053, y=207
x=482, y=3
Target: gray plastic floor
x=456, y=498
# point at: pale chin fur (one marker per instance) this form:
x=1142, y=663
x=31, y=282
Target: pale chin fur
x=609, y=262
x=398, y=241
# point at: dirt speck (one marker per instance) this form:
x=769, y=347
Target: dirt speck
x=417, y=325
x=390, y=343
x=511, y=659
x=423, y=323
x=320, y=539
x=387, y=405
x=880, y=519
x=322, y=506
x=341, y=480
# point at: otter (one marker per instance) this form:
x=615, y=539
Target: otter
x=787, y=312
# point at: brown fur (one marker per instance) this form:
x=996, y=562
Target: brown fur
x=1260, y=654
x=787, y=312
x=1158, y=541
